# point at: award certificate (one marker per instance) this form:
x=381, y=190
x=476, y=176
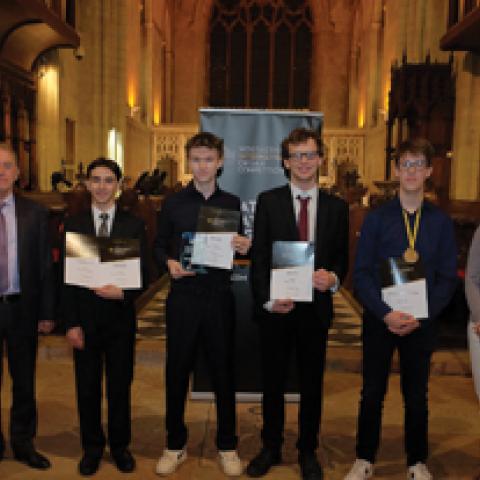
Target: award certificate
x=93, y=262
x=404, y=287
x=292, y=273
x=212, y=243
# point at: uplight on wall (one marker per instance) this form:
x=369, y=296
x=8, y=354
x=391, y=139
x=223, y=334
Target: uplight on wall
x=156, y=113
x=361, y=117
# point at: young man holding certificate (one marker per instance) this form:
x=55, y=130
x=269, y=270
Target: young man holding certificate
x=286, y=219
x=200, y=309
x=100, y=323
x=405, y=274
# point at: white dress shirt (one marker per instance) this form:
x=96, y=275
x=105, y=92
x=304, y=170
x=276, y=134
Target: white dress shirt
x=312, y=207
x=97, y=221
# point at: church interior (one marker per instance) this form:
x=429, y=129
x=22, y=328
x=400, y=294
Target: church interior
x=125, y=79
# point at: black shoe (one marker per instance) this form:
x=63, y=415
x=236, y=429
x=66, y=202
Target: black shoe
x=31, y=457
x=262, y=463
x=89, y=464
x=311, y=469
x=124, y=460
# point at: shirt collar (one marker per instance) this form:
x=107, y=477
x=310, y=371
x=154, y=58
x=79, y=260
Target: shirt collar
x=192, y=190
x=9, y=201
x=312, y=193
x=96, y=212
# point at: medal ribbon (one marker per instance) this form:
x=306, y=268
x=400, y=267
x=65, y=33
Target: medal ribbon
x=412, y=236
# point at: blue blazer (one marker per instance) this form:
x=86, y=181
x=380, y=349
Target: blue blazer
x=383, y=235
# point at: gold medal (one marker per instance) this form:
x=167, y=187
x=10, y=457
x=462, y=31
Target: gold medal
x=410, y=255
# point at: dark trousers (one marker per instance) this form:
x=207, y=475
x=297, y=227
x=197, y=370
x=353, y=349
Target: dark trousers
x=21, y=354
x=203, y=317
x=414, y=352
x=114, y=351
x=278, y=335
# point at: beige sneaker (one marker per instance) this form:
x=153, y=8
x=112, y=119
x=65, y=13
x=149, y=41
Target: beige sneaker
x=361, y=470
x=230, y=462
x=170, y=461
x=419, y=471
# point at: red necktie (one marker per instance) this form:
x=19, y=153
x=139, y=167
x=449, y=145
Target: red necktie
x=302, y=223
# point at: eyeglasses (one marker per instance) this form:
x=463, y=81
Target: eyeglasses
x=417, y=164
x=297, y=156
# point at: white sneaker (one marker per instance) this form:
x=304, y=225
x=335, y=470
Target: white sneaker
x=170, y=460
x=230, y=462
x=361, y=470
x=419, y=471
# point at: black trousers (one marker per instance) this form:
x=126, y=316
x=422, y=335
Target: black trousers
x=21, y=354
x=200, y=317
x=112, y=350
x=415, y=351
x=278, y=335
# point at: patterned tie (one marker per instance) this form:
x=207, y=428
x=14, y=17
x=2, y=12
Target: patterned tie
x=302, y=223
x=3, y=252
x=103, y=230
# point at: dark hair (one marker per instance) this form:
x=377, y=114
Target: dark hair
x=205, y=139
x=299, y=135
x=5, y=147
x=107, y=163
x=416, y=146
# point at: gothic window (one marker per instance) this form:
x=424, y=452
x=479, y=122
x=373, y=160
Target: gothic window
x=260, y=53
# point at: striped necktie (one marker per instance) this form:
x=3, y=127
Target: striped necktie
x=103, y=230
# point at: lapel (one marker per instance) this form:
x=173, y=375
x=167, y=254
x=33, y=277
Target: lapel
x=322, y=214
x=21, y=216
x=89, y=226
x=117, y=223
x=286, y=207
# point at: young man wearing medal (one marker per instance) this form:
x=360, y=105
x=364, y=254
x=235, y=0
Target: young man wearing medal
x=411, y=228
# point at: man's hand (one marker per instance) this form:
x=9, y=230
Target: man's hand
x=75, y=337
x=109, y=292
x=401, y=323
x=476, y=328
x=45, y=326
x=241, y=244
x=282, y=306
x=177, y=271
x=323, y=280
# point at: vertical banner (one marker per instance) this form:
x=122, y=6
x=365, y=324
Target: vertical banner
x=252, y=164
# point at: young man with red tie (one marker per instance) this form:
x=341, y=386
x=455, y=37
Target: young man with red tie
x=296, y=211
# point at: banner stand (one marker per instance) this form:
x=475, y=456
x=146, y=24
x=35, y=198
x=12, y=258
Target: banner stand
x=252, y=164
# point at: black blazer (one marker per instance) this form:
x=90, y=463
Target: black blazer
x=275, y=220
x=80, y=306
x=35, y=265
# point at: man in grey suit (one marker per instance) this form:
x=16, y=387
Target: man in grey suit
x=26, y=304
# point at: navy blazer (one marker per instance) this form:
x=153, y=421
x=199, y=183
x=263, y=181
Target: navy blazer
x=80, y=306
x=275, y=220
x=383, y=235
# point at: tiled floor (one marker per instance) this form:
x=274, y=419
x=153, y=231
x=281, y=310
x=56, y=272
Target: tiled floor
x=345, y=330
x=454, y=415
